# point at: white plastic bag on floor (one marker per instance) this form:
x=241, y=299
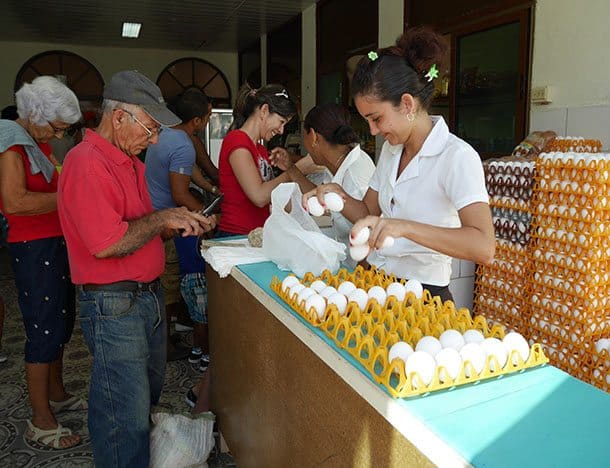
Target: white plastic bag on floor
x=180, y=441
x=293, y=240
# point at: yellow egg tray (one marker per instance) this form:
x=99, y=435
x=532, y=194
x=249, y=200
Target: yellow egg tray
x=368, y=335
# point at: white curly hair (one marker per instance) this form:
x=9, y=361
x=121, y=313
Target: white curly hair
x=47, y=99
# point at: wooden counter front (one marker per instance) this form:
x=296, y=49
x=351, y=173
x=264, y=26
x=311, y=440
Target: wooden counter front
x=278, y=404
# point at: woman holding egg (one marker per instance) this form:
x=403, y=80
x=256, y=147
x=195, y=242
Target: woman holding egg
x=332, y=143
x=244, y=168
x=428, y=191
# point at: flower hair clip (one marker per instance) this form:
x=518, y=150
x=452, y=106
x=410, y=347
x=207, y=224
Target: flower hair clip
x=283, y=93
x=372, y=55
x=432, y=73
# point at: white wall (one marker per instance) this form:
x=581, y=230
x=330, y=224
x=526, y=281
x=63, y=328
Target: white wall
x=108, y=60
x=572, y=54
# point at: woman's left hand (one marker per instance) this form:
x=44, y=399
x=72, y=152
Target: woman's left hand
x=280, y=158
x=381, y=228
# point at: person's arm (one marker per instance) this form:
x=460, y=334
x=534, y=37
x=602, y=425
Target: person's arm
x=16, y=199
x=142, y=230
x=203, y=159
x=198, y=179
x=248, y=176
x=179, y=187
x=474, y=240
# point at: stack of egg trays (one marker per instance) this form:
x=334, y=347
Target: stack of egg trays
x=600, y=369
x=500, y=287
x=369, y=334
x=570, y=248
x=571, y=144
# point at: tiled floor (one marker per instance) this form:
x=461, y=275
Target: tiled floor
x=15, y=451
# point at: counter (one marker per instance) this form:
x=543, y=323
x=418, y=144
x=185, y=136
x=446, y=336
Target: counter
x=285, y=395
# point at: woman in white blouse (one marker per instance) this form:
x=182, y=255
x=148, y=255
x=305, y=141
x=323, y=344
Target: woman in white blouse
x=428, y=191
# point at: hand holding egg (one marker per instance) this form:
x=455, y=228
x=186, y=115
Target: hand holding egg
x=359, y=248
x=325, y=196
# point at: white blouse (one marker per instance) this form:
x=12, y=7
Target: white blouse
x=445, y=176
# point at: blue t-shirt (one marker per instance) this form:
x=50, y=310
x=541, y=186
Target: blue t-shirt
x=174, y=152
x=189, y=257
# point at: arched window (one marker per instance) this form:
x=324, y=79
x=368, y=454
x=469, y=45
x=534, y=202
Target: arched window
x=75, y=71
x=194, y=72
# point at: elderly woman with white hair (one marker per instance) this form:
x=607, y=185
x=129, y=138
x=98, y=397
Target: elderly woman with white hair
x=28, y=199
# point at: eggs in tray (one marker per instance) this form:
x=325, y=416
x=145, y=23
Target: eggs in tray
x=410, y=342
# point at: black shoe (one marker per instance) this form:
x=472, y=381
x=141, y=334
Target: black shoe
x=195, y=357
x=204, y=362
x=190, y=398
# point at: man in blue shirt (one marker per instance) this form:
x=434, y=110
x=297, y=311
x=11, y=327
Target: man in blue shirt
x=169, y=168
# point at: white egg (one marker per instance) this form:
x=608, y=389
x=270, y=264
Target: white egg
x=346, y=288
x=476, y=355
x=397, y=290
x=473, y=336
x=360, y=297
x=289, y=281
x=602, y=344
x=328, y=291
x=379, y=294
x=340, y=301
x=295, y=289
x=314, y=207
x=451, y=360
x=429, y=344
x=400, y=350
x=423, y=364
x=515, y=342
x=318, y=286
x=305, y=294
x=361, y=238
x=318, y=303
x=415, y=287
x=495, y=347
x=333, y=201
x=359, y=252
x=452, y=339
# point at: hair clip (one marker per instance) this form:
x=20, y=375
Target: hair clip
x=372, y=55
x=432, y=73
x=283, y=94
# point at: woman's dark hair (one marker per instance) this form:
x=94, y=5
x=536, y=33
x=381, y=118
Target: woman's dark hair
x=332, y=121
x=402, y=68
x=249, y=99
x=190, y=104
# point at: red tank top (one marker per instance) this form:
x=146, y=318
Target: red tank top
x=239, y=214
x=26, y=228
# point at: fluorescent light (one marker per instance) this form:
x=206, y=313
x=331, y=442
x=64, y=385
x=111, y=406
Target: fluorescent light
x=131, y=29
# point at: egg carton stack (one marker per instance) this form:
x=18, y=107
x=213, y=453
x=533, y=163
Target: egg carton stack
x=570, y=272
x=500, y=287
x=410, y=342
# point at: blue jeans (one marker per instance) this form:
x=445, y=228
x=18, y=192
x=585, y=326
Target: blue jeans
x=126, y=334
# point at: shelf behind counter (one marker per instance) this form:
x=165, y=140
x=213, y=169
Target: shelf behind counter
x=285, y=394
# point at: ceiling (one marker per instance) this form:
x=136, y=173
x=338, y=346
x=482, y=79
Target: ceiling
x=220, y=25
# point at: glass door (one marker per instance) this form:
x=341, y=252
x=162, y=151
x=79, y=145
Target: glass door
x=491, y=76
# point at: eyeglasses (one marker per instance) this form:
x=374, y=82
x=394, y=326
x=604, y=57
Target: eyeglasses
x=56, y=130
x=151, y=133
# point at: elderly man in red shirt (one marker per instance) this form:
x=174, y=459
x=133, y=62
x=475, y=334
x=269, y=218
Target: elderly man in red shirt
x=116, y=256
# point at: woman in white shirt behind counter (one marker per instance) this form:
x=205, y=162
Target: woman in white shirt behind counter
x=332, y=143
x=428, y=191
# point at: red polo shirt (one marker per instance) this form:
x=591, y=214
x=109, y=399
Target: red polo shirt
x=100, y=190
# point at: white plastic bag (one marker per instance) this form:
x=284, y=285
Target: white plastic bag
x=180, y=441
x=293, y=240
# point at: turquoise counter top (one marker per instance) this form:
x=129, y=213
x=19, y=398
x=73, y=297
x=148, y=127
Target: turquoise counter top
x=542, y=417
